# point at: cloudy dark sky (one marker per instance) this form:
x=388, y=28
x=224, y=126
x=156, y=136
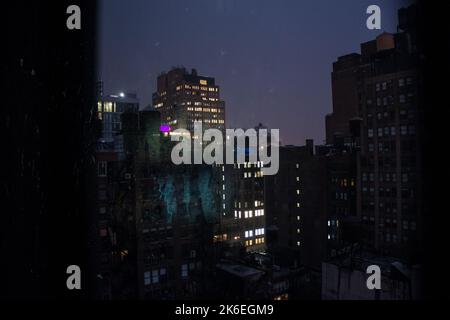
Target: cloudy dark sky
x=271, y=58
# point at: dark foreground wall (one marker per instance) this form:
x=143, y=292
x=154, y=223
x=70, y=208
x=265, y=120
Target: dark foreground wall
x=47, y=93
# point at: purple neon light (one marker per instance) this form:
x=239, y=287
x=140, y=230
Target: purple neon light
x=164, y=128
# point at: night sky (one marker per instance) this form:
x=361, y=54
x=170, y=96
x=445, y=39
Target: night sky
x=271, y=58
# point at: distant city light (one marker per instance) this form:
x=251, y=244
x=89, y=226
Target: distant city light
x=122, y=94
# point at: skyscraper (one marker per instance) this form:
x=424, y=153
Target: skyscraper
x=389, y=169
x=184, y=98
x=166, y=212
x=284, y=197
x=108, y=154
x=381, y=86
x=242, y=220
x=109, y=109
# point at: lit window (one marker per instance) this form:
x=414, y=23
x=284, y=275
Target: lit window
x=147, y=278
x=393, y=131
x=184, y=271
x=109, y=107
x=259, y=232
x=380, y=132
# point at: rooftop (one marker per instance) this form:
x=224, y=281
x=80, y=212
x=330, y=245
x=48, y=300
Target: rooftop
x=239, y=270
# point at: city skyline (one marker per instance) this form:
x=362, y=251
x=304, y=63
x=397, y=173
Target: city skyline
x=281, y=45
x=193, y=152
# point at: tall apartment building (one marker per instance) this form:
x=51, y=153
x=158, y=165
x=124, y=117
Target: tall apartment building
x=108, y=153
x=183, y=98
x=109, y=109
x=170, y=212
x=284, y=197
x=242, y=220
x=381, y=87
x=103, y=233
x=311, y=204
x=390, y=159
x=244, y=224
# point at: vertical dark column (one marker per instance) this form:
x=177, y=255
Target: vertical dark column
x=46, y=121
x=434, y=35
